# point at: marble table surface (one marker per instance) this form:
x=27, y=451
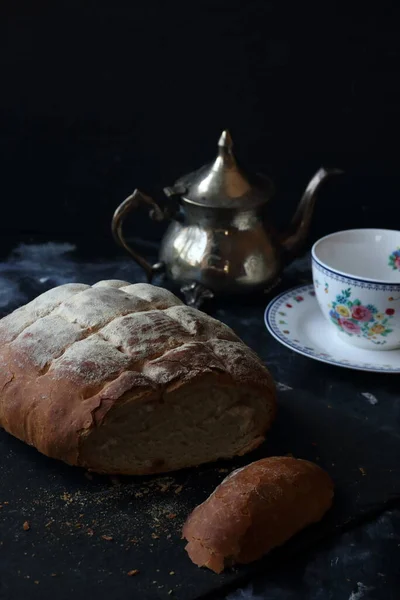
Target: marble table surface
x=361, y=564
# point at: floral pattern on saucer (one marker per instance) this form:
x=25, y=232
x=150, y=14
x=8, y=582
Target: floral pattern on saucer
x=301, y=326
x=394, y=259
x=354, y=318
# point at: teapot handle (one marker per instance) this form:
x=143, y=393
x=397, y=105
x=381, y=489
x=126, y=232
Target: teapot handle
x=130, y=203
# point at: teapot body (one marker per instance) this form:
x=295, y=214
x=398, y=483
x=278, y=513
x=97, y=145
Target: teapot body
x=224, y=250
x=218, y=241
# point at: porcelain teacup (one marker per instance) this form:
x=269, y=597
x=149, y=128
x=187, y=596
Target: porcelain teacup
x=356, y=276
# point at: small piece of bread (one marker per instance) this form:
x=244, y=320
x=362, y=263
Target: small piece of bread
x=255, y=509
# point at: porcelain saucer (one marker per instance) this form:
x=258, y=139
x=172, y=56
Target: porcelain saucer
x=295, y=319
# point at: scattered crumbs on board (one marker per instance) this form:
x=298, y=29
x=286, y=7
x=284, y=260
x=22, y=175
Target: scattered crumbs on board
x=130, y=513
x=133, y=572
x=362, y=470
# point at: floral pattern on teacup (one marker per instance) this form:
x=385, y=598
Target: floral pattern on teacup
x=394, y=259
x=355, y=318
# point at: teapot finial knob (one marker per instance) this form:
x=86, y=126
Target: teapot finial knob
x=225, y=141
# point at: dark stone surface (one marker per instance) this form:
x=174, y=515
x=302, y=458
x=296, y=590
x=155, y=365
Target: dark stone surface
x=359, y=564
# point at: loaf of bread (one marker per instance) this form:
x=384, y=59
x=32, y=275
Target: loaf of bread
x=255, y=509
x=121, y=378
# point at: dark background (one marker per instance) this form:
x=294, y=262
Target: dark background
x=98, y=97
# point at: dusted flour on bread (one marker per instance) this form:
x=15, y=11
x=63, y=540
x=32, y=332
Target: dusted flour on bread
x=84, y=366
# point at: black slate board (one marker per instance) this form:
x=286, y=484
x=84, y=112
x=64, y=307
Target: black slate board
x=63, y=554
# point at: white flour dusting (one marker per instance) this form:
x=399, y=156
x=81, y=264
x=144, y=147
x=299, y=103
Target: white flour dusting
x=51, y=264
x=282, y=387
x=360, y=593
x=370, y=397
x=246, y=594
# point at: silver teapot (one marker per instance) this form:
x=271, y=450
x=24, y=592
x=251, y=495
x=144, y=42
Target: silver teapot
x=218, y=241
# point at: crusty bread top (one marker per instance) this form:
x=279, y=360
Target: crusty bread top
x=93, y=333
x=67, y=356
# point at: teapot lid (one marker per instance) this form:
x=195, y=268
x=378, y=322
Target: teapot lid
x=223, y=184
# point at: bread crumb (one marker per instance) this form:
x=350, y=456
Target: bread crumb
x=67, y=497
x=164, y=487
x=223, y=470
x=90, y=532
x=170, y=592
x=133, y=541
x=155, y=536
x=172, y=572
x=53, y=575
x=108, y=538
x=362, y=471
x=36, y=581
x=171, y=516
x=26, y=526
x=179, y=489
x=133, y=572
x=49, y=523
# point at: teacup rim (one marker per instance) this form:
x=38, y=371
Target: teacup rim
x=344, y=273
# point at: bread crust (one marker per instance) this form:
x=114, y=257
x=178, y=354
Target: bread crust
x=256, y=508
x=73, y=355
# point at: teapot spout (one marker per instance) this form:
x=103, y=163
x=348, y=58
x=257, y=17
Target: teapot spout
x=295, y=237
